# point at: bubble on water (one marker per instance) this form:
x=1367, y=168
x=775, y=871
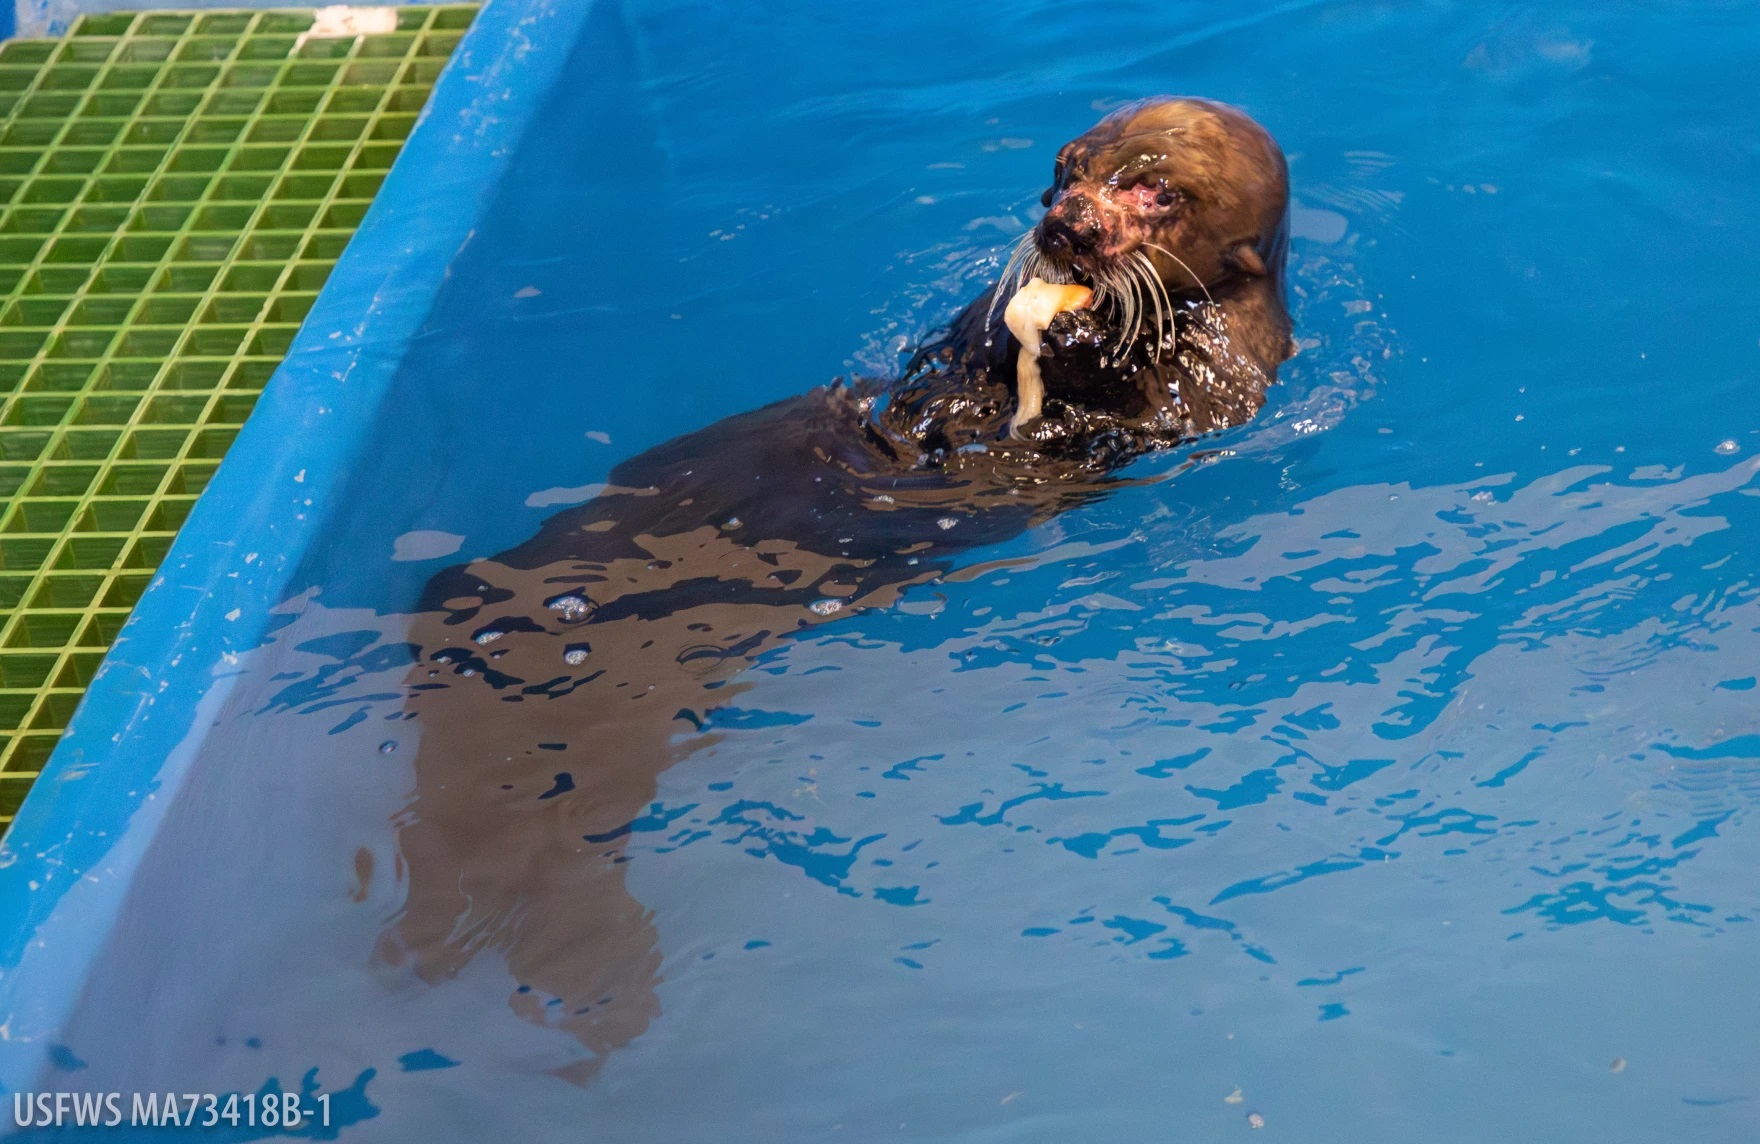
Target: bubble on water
x=945, y=523
x=1727, y=447
x=826, y=607
x=1254, y=1120
x=388, y=746
x=570, y=606
x=576, y=654
x=488, y=637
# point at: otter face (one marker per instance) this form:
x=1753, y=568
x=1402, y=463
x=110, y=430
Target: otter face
x=1192, y=191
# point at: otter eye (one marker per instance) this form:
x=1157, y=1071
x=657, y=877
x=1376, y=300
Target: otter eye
x=1164, y=199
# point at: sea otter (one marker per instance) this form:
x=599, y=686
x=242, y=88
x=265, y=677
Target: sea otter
x=557, y=680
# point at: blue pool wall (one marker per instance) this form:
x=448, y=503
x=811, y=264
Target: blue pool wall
x=67, y=861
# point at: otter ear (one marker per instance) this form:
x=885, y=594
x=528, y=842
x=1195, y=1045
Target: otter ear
x=1045, y=199
x=1246, y=257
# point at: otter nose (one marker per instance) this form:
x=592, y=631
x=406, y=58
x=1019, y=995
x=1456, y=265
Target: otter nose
x=1072, y=226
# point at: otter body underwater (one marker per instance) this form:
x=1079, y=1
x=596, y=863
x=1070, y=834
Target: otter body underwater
x=553, y=677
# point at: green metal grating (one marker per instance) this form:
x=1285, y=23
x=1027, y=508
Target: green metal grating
x=178, y=186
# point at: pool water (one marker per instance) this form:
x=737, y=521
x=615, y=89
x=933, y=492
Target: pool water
x=1381, y=770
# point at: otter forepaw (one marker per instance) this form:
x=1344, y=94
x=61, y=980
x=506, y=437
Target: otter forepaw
x=1074, y=347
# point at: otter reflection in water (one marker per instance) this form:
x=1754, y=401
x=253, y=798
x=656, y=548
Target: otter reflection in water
x=553, y=676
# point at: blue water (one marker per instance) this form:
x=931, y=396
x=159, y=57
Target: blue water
x=1389, y=762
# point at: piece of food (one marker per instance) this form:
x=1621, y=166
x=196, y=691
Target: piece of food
x=1026, y=316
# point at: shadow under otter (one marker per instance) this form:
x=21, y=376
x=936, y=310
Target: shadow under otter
x=558, y=679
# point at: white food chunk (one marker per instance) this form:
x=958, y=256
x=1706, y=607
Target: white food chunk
x=1028, y=313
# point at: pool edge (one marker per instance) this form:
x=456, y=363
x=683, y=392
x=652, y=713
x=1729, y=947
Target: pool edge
x=268, y=502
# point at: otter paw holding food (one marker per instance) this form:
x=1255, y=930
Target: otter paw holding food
x=1080, y=363
x=1074, y=344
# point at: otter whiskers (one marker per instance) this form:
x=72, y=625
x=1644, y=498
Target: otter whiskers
x=1118, y=294
x=1024, y=262
x=1163, y=304
x=1183, y=266
x=1128, y=290
x=1132, y=290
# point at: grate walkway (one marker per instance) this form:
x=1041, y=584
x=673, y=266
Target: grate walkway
x=177, y=187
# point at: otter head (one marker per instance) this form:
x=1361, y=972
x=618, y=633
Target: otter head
x=1190, y=190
